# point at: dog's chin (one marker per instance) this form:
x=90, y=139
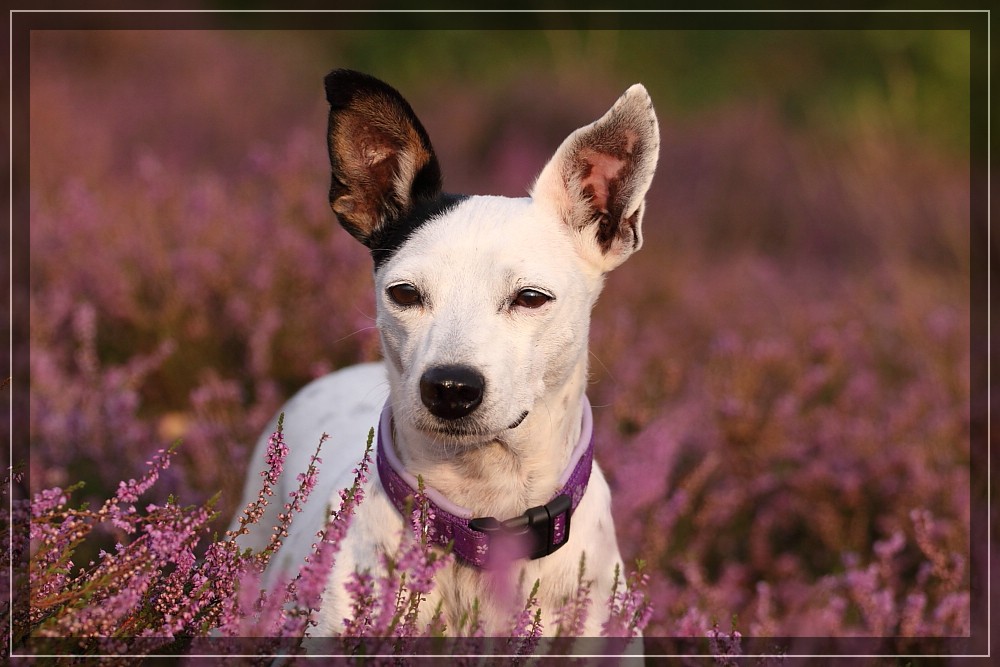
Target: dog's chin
x=449, y=435
x=465, y=432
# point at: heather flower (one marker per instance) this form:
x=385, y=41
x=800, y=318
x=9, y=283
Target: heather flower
x=275, y=459
x=389, y=605
x=360, y=587
x=46, y=501
x=129, y=492
x=305, y=591
x=149, y=585
x=571, y=617
x=238, y=609
x=911, y=616
x=724, y=647
x=527, y=625
x=630, y=611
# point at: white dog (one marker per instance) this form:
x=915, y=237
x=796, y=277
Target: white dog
x=483, y=305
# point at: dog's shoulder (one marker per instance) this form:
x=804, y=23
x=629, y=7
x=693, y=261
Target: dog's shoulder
x=346, y=390
x=344, y=404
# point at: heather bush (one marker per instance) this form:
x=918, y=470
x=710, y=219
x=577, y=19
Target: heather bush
x=152, y=594
x=781, y=377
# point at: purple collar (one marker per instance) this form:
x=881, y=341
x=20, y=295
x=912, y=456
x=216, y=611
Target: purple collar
x=539, y=531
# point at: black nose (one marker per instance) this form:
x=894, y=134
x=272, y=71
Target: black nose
x=451, y=392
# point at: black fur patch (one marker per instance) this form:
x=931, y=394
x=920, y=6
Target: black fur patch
x=391, y=238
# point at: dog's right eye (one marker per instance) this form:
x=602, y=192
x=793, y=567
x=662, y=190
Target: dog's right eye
x=404, y=294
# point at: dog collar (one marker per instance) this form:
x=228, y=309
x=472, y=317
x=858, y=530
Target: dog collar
x=538, y=532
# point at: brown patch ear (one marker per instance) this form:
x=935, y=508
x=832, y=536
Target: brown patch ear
x=596, y=182
x=381, y=159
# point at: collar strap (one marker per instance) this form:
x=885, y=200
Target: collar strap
x=538, y=532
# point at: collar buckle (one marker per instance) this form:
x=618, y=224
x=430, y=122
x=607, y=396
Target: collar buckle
x=544, y=528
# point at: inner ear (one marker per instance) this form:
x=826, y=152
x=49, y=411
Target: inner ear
x=381, y=160
x=600, y=173
x=603, y=180
x=597, y=180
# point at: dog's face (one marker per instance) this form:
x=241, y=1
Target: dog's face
x=483, y=302
x=481, y=312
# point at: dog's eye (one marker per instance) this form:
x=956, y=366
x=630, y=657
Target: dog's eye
x=404, y=294
x=531, y=298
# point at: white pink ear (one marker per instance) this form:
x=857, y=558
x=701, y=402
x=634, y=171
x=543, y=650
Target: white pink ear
x=597, y=180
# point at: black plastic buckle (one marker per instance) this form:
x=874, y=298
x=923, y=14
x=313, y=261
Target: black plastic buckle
x=537, y=524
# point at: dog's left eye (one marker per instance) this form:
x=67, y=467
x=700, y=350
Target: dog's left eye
x=531, y=298
x=404, y=294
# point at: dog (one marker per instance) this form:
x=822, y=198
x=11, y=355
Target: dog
x=483, y=307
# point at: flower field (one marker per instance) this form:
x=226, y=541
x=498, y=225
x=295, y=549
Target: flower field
x=782, y=377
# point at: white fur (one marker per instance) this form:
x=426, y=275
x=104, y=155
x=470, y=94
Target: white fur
x=469, y=264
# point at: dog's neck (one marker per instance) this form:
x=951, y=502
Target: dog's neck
x=502, y=478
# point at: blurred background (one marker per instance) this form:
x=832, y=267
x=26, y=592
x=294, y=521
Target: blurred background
x=781, y=377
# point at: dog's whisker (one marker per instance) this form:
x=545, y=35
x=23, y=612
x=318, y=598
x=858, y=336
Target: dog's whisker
x=365, y=315
x=354, y=333
x=603, y=365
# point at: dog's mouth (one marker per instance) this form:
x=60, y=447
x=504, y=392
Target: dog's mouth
x=517, y=422
x=467, y=430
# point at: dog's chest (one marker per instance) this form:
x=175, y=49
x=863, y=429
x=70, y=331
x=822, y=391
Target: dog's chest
x=468, y=598
x=472, y=599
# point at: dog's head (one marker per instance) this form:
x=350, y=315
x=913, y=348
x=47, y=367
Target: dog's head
x=483, y=302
